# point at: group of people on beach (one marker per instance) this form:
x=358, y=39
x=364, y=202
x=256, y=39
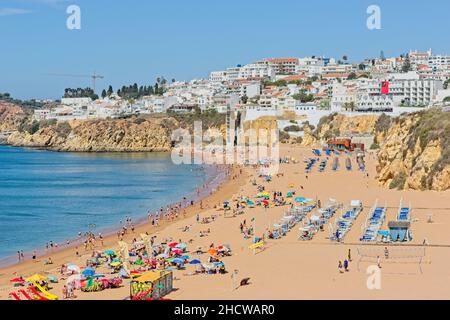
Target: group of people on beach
x=345, y=267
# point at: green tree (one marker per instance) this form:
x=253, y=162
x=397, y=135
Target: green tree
x=406, y=67
x=446, y=84
x=104, y=94
x=352, y=76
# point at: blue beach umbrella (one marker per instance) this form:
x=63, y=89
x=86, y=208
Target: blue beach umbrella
x=88, y=272
x=195, y=262
x=109, y=252
x=219, y=264
x=300, y=199
x=178, y=261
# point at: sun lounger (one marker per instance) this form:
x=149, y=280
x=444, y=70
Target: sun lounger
x=15, y=296
x=26, y=295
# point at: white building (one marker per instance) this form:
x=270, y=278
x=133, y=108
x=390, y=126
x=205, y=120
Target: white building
x=434, y=62
x=218, y=76
x=254, y=70
x=342, y=94
x=281, y=66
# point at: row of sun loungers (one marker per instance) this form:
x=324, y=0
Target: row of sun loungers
x=345, y=222
x=373, y=224
x=292, y=218
x=404, y=214
x=335, y=164
x=323, y=165
x=309, y=164
x=308, y=232
x=348, y=164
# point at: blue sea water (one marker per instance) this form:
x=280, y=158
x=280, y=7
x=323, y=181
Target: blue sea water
x=48, y=196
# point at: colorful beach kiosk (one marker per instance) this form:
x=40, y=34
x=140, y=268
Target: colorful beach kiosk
x=152, y=285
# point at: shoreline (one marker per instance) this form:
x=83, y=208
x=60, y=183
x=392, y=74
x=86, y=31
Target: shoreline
x=311, y=265
x=215, y=176
x=63, y=254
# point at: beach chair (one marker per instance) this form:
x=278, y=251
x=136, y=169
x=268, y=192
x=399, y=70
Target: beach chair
x=37, y=294
x=26, y=295
x=15, y=296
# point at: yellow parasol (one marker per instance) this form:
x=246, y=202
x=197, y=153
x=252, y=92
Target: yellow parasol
x=36, y=278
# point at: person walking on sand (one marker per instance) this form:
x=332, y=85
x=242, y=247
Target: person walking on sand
x=340, y=267
x=386, y=253
x=346, y=265
x=350, y=255
x=379, y=262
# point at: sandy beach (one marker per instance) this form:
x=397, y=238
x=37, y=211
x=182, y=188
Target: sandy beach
x=288, y=268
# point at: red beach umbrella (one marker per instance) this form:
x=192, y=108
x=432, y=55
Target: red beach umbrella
x=173, y=244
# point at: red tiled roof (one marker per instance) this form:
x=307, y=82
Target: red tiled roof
x=281, y=60
x=294, y=77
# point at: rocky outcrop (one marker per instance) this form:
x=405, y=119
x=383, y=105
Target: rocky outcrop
x=128, y=135
x=11, y=116
x=341, y=125
x=309, y=139
x=414, y=152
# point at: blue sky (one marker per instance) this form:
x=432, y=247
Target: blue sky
x=138, y=40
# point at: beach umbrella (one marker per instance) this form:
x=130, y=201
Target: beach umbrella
x=173, y=244
x=315, y=218
x=163, y=256
x=212, y=251
x=115, y=264
x=219, y=264
x=300, y=199
x=181, y=246
x=52, y=279
x=36, y=278
x=177, y=251
x=109, y=252
x=124, y=274
x=250, y=203
x=73, y=268
x=88, y=272
x=195, y=262
x=178, y=261
x=207, y=266
x=185, y=257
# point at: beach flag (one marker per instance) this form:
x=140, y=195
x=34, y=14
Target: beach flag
x=385, y=87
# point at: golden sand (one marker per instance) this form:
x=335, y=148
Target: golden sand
x=288, y=268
